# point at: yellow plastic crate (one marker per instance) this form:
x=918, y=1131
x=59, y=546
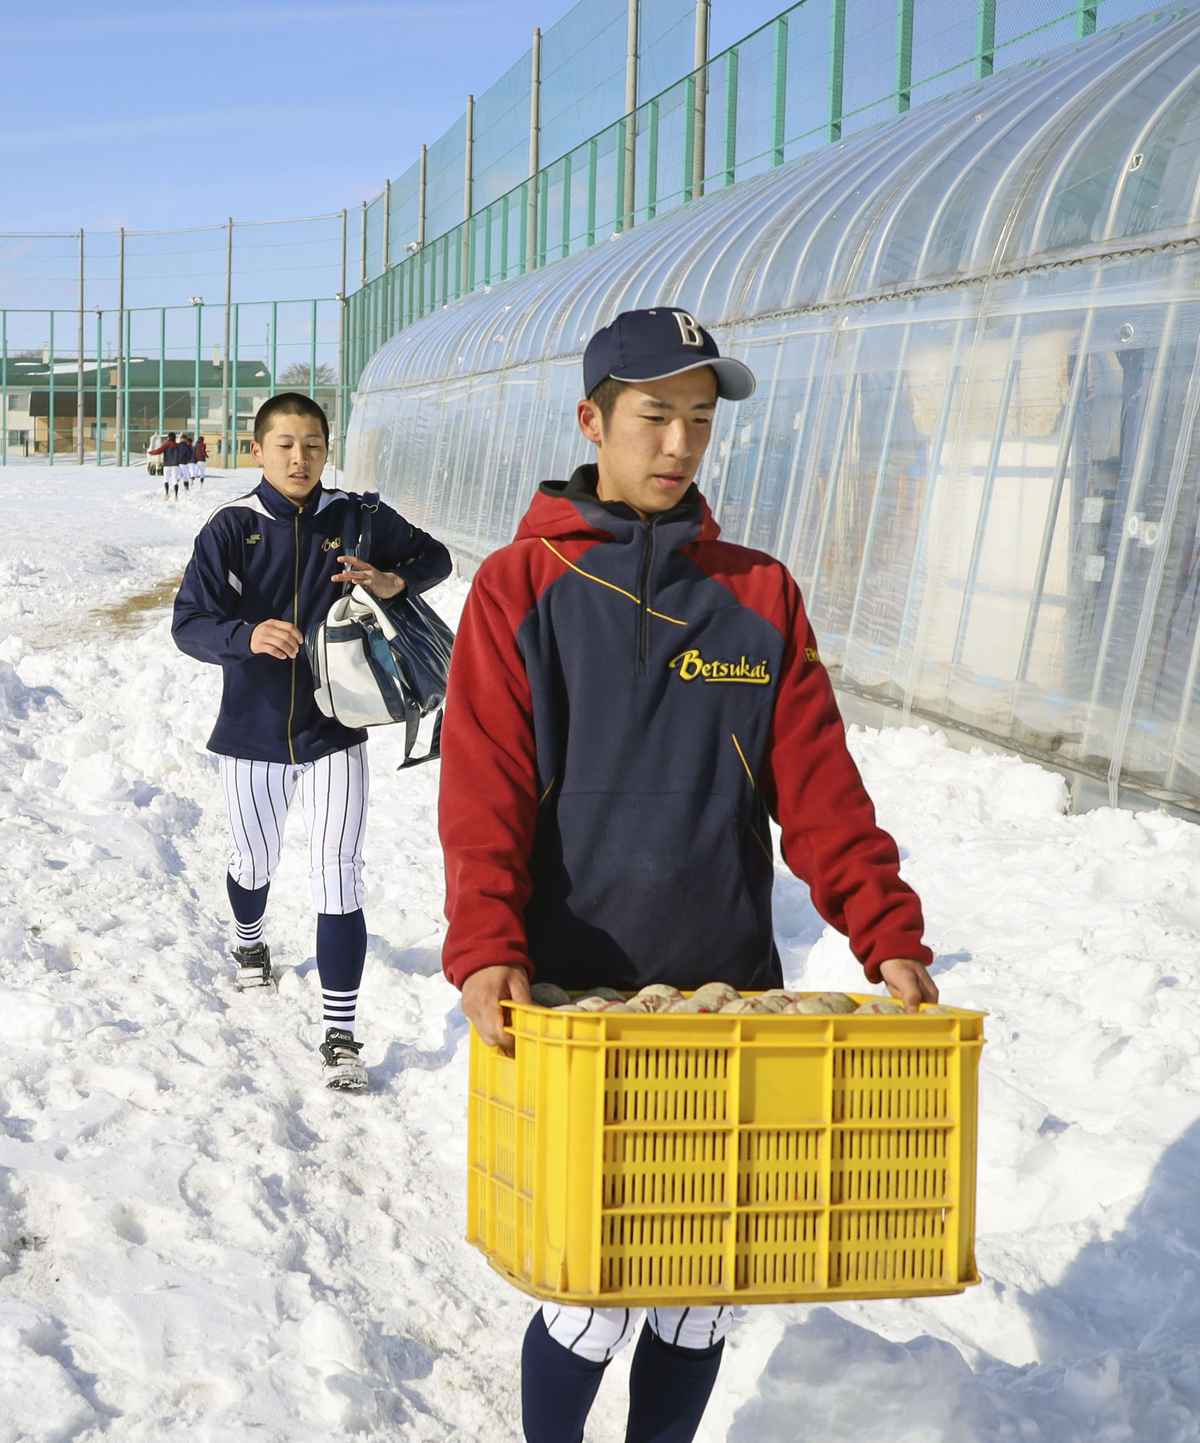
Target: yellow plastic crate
x=648, y=1158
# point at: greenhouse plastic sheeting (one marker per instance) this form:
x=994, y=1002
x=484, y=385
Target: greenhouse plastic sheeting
x=977, y=335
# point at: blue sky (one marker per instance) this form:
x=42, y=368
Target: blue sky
x=153, y=116
x=147, y=114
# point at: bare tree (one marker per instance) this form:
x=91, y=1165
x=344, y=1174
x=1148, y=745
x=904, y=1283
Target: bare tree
x=297, y=376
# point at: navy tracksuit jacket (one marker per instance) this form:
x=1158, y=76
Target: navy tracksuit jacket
x=262, y=557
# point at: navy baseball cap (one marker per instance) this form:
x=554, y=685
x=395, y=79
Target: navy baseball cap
x=652, y=345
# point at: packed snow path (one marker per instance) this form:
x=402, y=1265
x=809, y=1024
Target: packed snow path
x=197, y=1242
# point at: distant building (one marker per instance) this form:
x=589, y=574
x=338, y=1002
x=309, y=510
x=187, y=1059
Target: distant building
x=155, y=404
x=18, y=423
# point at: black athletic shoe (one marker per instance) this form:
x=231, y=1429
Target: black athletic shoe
x=254, y=967
x=339, y=1061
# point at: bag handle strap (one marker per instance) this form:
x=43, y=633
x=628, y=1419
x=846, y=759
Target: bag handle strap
x=434, y=753
x=368, y=504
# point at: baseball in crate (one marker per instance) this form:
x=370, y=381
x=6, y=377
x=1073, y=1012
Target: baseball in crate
x=631, y=701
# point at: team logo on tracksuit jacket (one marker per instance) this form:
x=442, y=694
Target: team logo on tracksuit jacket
x=630, y=703
x=692, y=666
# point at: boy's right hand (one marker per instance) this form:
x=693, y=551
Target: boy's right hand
x=276, y=638
x=482, y=993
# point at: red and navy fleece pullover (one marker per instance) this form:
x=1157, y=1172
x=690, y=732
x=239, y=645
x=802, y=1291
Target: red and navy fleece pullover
x=629, y=702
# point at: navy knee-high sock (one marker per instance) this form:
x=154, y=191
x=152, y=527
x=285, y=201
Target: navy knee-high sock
x=558, y=1388
x=341, y=951
x=669, y=1389
x=249, y=908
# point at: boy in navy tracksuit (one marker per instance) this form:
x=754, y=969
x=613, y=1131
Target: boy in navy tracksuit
x=631, y=701
x=265, y=567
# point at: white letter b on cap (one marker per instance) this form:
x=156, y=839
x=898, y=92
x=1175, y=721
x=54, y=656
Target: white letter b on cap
x=688, y=329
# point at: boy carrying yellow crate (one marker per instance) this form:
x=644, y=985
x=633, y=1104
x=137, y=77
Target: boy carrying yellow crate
x=631, y=701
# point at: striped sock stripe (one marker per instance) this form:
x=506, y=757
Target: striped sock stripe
x=340, y=1008
x=249, y=934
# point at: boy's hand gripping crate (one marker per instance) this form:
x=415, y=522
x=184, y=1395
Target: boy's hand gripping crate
x=657, y=1159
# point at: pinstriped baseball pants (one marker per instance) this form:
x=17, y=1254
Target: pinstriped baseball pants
x=598, y=1334
x=333, y=791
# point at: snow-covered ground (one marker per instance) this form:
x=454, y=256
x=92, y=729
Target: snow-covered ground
x=197, y=1242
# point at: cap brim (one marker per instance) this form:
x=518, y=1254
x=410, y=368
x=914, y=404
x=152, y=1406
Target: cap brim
x=735, y=380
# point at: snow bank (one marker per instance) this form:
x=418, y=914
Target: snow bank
x=197, y=1242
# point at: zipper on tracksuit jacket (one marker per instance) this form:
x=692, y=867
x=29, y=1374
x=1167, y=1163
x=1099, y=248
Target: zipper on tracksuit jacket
x=295, y=623
x=643, y=594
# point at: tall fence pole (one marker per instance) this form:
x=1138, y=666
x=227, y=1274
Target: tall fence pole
x=468, y=194
x=162, y=370
x=99, y=385
x=387, y=224
x=53, y=419
x=731, y=114
x=779, y=139
x=385, y=285
x=422, y=214
x=129, y=416
x=364, y=243
x=699, y=116
x=837, y=69
x=340, y=416
x=985, y=39
x=119, y=418
x=234, y=387
x=422, y=194
x=535, y=149
x=904, y=42
x=629, y=175
x=312, y=349
x=198, y=305
x=225, y=439
x=79, y=377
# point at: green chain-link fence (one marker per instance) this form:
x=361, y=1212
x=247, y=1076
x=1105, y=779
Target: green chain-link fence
x=818, y=72
x=108, y=338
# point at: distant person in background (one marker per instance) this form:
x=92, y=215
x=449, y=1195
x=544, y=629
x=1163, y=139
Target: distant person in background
x=199, y=459
x=169, y=450
x=185, y=460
